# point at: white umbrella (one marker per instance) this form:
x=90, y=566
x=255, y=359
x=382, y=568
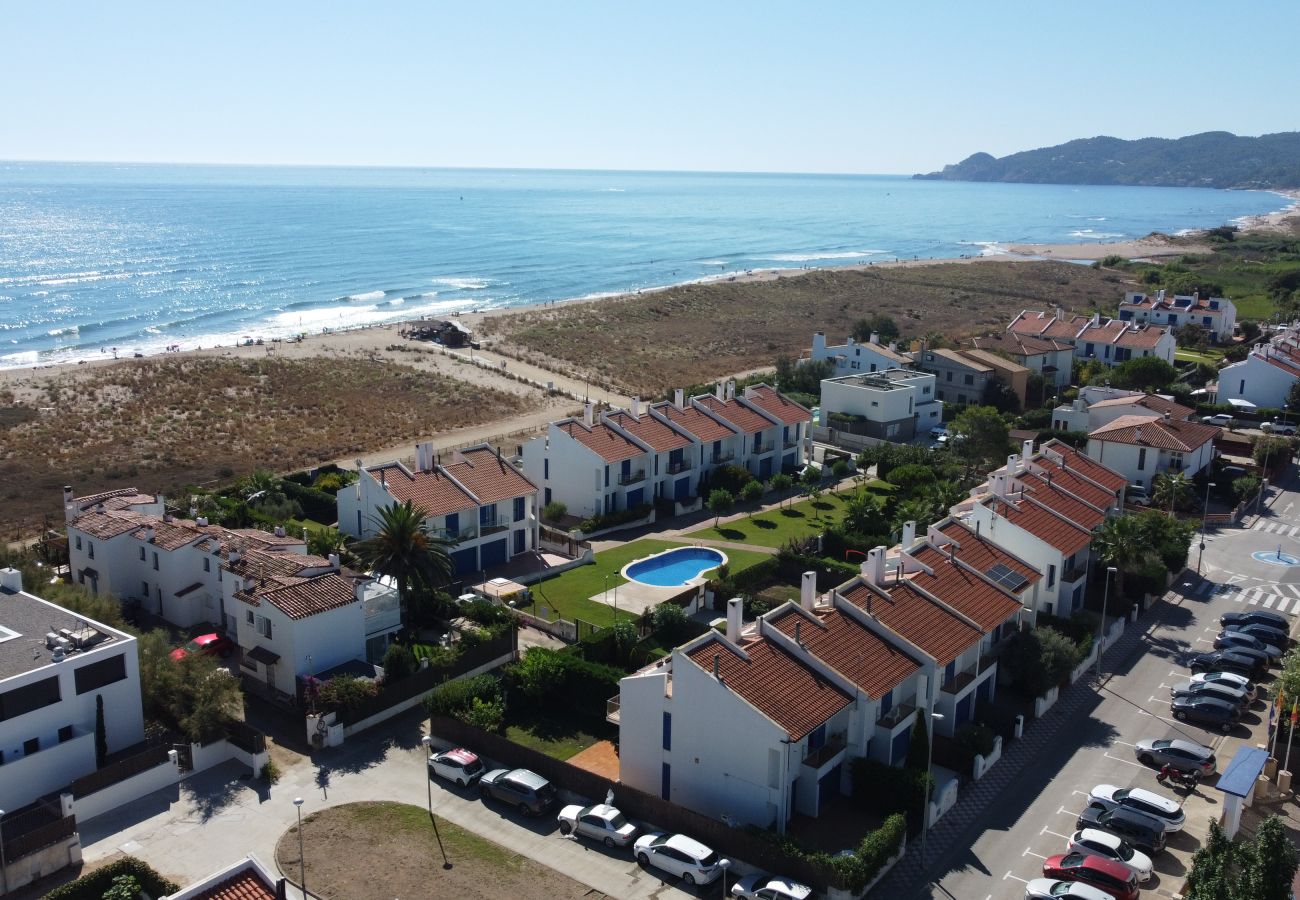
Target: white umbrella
x=1242, y=404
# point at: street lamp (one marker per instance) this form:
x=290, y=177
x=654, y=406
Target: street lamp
x=302, y=859
x=724, y=865
x=1105, y=599
x=929, y=756
x=428, y=790
x=1205, y=511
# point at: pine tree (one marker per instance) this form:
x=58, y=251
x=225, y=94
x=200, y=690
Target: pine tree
x=1269, y=863
x=1212, y=877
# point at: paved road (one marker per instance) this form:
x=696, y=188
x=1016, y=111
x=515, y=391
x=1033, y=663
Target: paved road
x=1004, y=844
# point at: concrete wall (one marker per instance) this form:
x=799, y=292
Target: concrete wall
x=128, y=790
x=1124, y=458
x=205, y=757
x=28, y=777
x=21, y=872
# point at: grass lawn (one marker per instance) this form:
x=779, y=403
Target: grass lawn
x=1210, y=356
x=554, y=733
x=776, y=526
x=569, y=593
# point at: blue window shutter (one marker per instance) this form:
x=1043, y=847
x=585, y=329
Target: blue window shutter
x=668, y=731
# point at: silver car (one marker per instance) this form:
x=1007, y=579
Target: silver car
x=1185, y=756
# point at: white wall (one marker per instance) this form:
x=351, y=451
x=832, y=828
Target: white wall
x=1255, y=380
x=1124, y=458
x=890, y=406
x=128, y=790
x=1018, y=542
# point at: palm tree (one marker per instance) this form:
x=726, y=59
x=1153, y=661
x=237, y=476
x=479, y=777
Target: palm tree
x=406, y=549
x=324, y=541
x=1172, y=491
x=1123, y=542
x=263, y=485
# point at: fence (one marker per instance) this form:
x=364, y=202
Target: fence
x=728, y=841
x=28, y=842
x=246, y=737
x=119, y=771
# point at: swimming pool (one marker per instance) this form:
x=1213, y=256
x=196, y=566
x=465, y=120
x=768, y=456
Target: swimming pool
x=675, y=567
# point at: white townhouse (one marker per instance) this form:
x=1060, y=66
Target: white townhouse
x=1265, y=377
x=476, y=498
x=1140, y=447
x=852, y=357
x=1045, y=356
x=53, y=667
x=1098, y=406
x=1217, y=315
x=1110, y=340
x=1043, y=508
x=890, y=405
x=591, y=467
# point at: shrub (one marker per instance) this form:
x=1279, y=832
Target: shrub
x=731, y=478
x=669, y=622
x=554, y=511
x=346, y=692
x=539, y=673
x=751, y=491
x=840, y=468
x=488, y=715
x=610, y=520
x=1039, y=660
x=455, y=699
x=399, y=662
x=96, y=884
x=889, y=790
x=270, y=772
x=975, y=737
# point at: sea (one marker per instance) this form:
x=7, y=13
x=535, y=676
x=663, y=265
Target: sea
x=104, y=258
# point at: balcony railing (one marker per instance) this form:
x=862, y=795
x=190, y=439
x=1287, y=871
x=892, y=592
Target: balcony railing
x=727, y=456
x=790, y=444
x=612, y=707
x=896, y=715
x=678, y=467
x=1073, y=575
x=632, y=477
x=824, y=754
x=493, y=527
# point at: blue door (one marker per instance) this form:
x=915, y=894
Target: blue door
x=898, y=752
x=521, y=538
x=828, y=786
x=465, y=561
x=493, y=554
x=765, y=467
x=963, y=710
x=453, y=525
x=682, y=489
x=986, y=689
x=634, y=497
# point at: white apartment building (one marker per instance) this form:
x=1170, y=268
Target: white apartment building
x=1266, y=376
x=1217, y=315
x=1098, y=406
x=1140, y=447
x=475, y=498
x=852, y=357
x=53, y=666
x=893, y=404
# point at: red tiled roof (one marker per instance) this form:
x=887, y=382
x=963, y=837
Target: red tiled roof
x=257, y=563
x=958, y=358
x=310, y=596
x=108, y=524
x=1048, y=527
x=1019, y=344
x=737, y=414
x=1153, y=402
x=779, y=686
x=786, y=410
x=917, y=618
x=1084, y=464
x=982, y=554
x=850, y=648
x=489, y=477
x=247, y=885
x=1144, y=431
x=611, y=446
x=1145, y=337
x=434, y=491
x=170, y=535
x=963, y=590
x=1074, y=484
x=704, y=427
x=129, y=493
x=658, y=436
x=1037, y=489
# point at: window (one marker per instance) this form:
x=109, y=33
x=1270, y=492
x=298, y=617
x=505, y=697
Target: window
x=207, y=564
x=65, y=733
x=487, y=516
x=141, y=554
x=1176, y=461
x=874, y=403
x=546, y=498
x=546, y=468
x=264, y=627
x=668, y=731
x=886, y=702
x=78, y=542
x=817, y=737
x=98, y=674
x=155, y=560
x=249, y=617
x=1142, y=458
x=1051, y=576
x=31, y=746
x=970, y=379
x=950, y=671
x=606, y=476
x=90, y=549
x=520, y=504
x=144, y=590
x=665, y=781
x=926, y=389
x=29, y=697
x=949, y=374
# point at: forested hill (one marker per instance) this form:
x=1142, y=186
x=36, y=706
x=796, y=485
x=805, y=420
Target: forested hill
x=1214, y=159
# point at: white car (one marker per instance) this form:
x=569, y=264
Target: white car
x=1232, y=679
x=601, y=822
x=1051, y=889
x=769, y=887
x=1223, y=420
x=459, y=765
x=1137, y=495
x=678, y=855
x=1276, y=427
x=1108, y=846
x=1168, y=813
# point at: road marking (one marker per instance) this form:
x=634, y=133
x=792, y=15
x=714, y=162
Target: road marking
x=1156, y=700
x=1204, y=641
x=1290, y=587
x=1029, y=852
x=1282, y=604
x=1126, y=743
x=1233, y=579
x=1016, y=877
x=1082, y=794
x=1066, y=812
x=1127, y=762
x=1046, y=830
x=1268, y=601
x=1254, y=596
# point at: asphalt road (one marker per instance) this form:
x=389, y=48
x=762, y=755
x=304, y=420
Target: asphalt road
x=1005, y=846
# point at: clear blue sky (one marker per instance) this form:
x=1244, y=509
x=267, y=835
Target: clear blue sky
x=805, y=87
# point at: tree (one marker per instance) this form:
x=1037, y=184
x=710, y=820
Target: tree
x=1270, y=862
x=917, y=509
x=1193, y=336
x=781, y=483
x=864, y=513
x=539, y=673
x=979, y=434
x=794, y=376
x=399, y=662
x=720, y=503
x=1000, y=396
x=669, y=622
x=1211, y=877
x=324, y=541
x=1293, y=398
x=918, y=750
x=1168, y=537
x=1123, y=542
x=210, y=698
x=1144, y=373
x=125, y=887
x=1271, y=450
x=1172, y=491
x=879, y=324
x=811, y=480
x=1249, y=330
x=751, y=491
x=101, y=732
x=405, y=549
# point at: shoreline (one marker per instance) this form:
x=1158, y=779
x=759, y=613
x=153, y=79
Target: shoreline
x=365, y=337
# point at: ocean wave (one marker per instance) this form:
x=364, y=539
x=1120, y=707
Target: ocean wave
x=22, y=358
x=1089, y=234
x=611, y=190
x=463, y=284
x=70, y=329
x=812, y=257
x=153, y=329
x=366, y=297
x=714, y=262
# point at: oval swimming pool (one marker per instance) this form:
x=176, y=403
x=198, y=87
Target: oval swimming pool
x=675, y=567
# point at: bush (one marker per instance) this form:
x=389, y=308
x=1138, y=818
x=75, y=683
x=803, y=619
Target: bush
x=975, y=738
x=557, y=679
x=889, y=790
x=539, y=673
x=731, y=478
x=455, y=699
x=1040, y=659
x=270, y=772
x=99, y=882
x=554, y=511
x=840, y=468
x=488, y=715
x=610, y=520
x=751, y=491
x=399, y=662
x=346, y=692
x=669, y=622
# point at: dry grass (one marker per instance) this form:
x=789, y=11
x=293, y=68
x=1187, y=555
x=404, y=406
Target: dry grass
x=166, y=422
x=688, y=335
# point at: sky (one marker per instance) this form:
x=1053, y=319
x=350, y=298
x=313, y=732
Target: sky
x=861, y=87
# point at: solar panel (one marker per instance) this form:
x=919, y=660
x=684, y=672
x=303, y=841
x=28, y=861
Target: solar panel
x=1007, y=577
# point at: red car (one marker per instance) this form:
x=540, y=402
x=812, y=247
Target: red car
x=211, y=644
x=1103, y=874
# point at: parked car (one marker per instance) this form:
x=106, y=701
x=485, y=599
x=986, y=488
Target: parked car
x=1278, y=427
x=1241, y=660
x=1232, y=640
x=1229, y=678
x=528, y=791
x=1137, y=495
x=1267, y=634
x=1213, y=689
x=939, y=431
x=601, y=822
x=769, y=887
x=1142, y=831
x=208, y=644
x=1185, y=756
x=678, y=855
x=1256, y=617
x=1211, y=712
x=1111, y=877
x=1096, y=842
x=458, y=765
x=1223, y=420
x=1054, y=889
x=1162, y=809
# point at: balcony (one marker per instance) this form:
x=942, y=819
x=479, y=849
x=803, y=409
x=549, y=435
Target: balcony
x=789, y=445
x=632, y=477
x=612, y=707
x=678, y=467
x=468, y=533
x=890, y=720
x=493, y=527
x=1073, y=575
x=380, y=606
x=725, y=457
x=825, y=754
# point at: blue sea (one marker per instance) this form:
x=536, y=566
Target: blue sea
x=143, y=257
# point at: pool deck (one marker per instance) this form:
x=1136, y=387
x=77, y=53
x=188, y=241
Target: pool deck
x=635, y=597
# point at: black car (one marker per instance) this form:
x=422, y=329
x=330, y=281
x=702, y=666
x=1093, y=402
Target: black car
x=1236, y=640
x=1256, y=617
x=1226, y=693
x=1241, y=660
x=528, y=791
x=1209, y=711
x=1143, y=832
x=1266, y=633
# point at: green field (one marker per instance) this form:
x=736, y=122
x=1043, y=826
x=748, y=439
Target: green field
x=776, y=526
x=1210, y=357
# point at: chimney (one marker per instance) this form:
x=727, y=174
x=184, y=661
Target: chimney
x=202, y=521
x=1168, y=416
x=69, y=510
x=11, y=580
x=148, y=534
x=717, y=667
x=194, y=512
x=720, y=391
x=1027, y=450
x=874, y=568
x=1060, y=314
x=1013, y=465
x=424, y=456
x=735, y=617
x=679, y=398
x=587, y=414
x=334, y=561
x=234, y=557
x=636, y=407
x=279, y=531
x=893, y=345
x=731, y=390
x=1137, y=434
x=798, y=633
x=999, y=484
x=875, y=338
x=808, y=590
x=819, y=341
x=909, y=534
x=1096, y=318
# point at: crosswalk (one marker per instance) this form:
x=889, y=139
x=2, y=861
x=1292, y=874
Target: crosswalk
x=1286, y=598
x=1278, y=528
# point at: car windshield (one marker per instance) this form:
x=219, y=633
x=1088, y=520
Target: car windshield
x=193, y=646
x=709, y=860
x=617, y=820
x=1124, y=851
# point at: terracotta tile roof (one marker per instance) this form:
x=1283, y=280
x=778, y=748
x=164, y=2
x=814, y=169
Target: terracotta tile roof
x=855, y=651
x=1046, y=325
x=1286, y=364
x=247, y=885
x=737, y=414
x=433, y=491
x=170, y=535
x=706, y=428
x=658, y=436
x=108, y=524
x=783, y=408
x=1073, y=483
x=917, y=618
x=1048, y=527
x=310, y=596
x=1143, y=337
x=982, y=554
x=1018, y=344
x=992, y=361
x=959, y=359
x=489, y=477
x=963, y=590
x=779, y=686
x=257, y=563
x=1039, y=490
x=1144, y=431
x=120, y=494
x=611, y=446
x=1078, y=461
x=1153, y=402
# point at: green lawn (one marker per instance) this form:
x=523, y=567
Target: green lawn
x=555, y=734
x=1212, y=357
x=776, y=526
x=569, y=593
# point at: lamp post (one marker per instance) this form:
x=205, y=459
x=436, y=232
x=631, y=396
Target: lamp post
x=428, y=790
x=724, y=865
x=1105, y=600
x=302, y=859
x=929, y=757
x=1205, y=511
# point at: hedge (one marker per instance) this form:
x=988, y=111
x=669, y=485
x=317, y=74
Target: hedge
x=609, y=520
x=316, y=505
x=886, y=789
x=98, y=882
